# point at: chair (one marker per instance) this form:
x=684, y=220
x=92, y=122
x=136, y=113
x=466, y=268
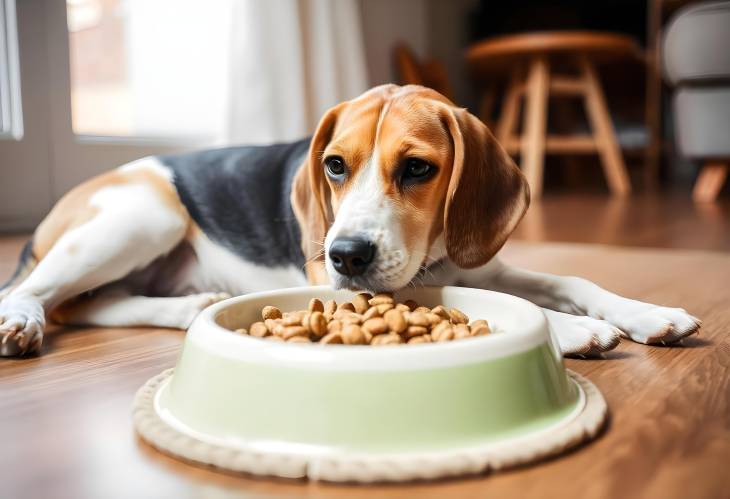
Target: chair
x=535, y=62
x=697, y=65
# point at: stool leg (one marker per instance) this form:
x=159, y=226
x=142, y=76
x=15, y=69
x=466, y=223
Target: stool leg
x=486, y=104
x=710, y=182
x=510, y=108
x=600, y=119
x=535, y=124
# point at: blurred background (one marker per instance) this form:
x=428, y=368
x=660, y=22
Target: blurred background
x=617, y=111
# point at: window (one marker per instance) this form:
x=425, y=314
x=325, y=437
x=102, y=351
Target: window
x=11, y=124
x=149, y=68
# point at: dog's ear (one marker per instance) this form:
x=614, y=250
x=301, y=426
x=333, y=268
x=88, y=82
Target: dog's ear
x=310, y=199
x=487, y=194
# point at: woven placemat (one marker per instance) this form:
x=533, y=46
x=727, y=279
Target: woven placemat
x=583, y=426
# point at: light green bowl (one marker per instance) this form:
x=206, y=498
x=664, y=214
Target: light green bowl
x=313, y=402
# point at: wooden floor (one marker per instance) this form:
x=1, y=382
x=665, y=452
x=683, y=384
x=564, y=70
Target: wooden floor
x=670, y=221
x=65, y=423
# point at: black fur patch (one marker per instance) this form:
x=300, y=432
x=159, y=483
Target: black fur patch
x=26, y=262
x=240, y=198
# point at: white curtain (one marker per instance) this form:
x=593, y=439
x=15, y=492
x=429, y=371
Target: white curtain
x=291, y=61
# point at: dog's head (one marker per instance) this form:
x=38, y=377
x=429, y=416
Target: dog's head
x=397, y=177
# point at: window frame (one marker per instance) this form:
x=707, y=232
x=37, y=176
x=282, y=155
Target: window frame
x=11, y=112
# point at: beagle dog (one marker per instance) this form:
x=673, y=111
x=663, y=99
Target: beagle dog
x=396, y=187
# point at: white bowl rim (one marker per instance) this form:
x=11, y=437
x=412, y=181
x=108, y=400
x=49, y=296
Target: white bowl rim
x=206, y=333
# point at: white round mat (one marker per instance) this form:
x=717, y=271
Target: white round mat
x=582, y=425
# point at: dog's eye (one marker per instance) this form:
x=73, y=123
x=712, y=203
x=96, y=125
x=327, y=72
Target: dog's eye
x=417, y=169
x=335, y=166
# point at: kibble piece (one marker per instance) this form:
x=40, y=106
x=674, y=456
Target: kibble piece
x=381, y=299
x=458, y=317
x=340, y=313
x=413, y=331
x=259, y=329
x=412, y=305
x=375, y=326
x=352, y=335
x=422, y=310
x=424, y=338
x=346, y=306
x=305, y=321
x=315, y=305
x=418, y=319
x=298, y=339
x=396, y=321
x=433, y=319
x=384, y=307
x=370, y=313
x=279, y=329
x=461, y=331
x=442, y=329
x=269, y=312
x=317, y=324
x=479, y=322
x=480, y=329
x=352, y=318
x=402, y=307
x=387, y=339
x=292, y=331
x=442, y=312
x=446, y=334
x=333, y=338
x=271, y=324
x=330, y=306
x=293, y=319
x=334, y=326
x=360, y=302
x=241, y=331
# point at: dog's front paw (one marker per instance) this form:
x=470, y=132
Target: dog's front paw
x=21, y=328
x=583, y=336
x=194, y=304
x=662, y=325
x=204, y=300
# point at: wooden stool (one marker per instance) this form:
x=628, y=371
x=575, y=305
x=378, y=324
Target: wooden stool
x=710, y=181
x=528, y=58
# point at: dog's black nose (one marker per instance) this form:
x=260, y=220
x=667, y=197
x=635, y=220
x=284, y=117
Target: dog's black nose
x=351, y=255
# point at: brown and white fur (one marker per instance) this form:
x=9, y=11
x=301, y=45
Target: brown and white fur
x=122, y=249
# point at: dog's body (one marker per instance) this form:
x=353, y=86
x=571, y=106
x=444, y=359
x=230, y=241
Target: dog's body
x=396, y=187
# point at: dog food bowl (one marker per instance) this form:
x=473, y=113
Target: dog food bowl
x=364, y=413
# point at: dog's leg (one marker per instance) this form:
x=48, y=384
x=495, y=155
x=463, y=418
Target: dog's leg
x=130, y=227
x=115, y=307
x=642, y=322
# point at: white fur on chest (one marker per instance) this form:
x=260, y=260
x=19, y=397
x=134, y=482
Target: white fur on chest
x=219, y=269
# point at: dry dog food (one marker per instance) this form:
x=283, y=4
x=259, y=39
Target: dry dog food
x=366, y=320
